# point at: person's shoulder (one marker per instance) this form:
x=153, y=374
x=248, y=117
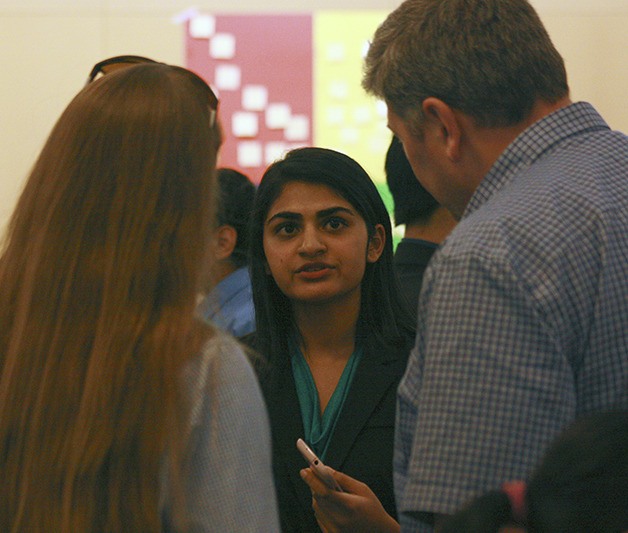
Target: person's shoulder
x=223, y=346
x=221, y=360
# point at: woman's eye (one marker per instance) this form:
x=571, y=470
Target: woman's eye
x=335, y=223
x=286, y=228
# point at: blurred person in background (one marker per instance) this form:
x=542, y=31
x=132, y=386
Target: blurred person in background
x=229, y=302
x=426, y=223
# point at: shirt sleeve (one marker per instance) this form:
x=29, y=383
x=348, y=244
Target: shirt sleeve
x=230, y=484
x=485, y=391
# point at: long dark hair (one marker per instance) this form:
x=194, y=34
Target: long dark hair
x=383, y=312
x=104, y=256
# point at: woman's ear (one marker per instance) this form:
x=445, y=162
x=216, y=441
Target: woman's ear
x=376, y=244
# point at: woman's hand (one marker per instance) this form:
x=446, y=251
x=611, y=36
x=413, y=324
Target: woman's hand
x=356, y=510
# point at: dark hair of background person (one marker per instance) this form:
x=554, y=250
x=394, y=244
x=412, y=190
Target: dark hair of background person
x=492, y=61
x=236, y=194
x=581, y=485
x=383, y=310
x=99, y=272
x=412, y=203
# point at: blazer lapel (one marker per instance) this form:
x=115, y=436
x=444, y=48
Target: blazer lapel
x=373, y=377
x=285, y=413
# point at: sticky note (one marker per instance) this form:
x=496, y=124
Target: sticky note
x=365, y=48
x=244, y=124
x=381, y=108
x=379, y=144
x=336, y=52
x=277, y=116
x=185, y=15
x=249, y=154
x=273, y=151
x=335, y=115
x=362, y=115
x=349, y=135
x=298, y=128
x=222, y=46
x=202, y=26
x=339, y=90
x=254, y=97
x=228, y=77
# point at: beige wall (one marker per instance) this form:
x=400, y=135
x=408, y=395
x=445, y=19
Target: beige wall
x=47, y=47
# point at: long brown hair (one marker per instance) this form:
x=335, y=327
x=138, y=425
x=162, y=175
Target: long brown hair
x=99, y=271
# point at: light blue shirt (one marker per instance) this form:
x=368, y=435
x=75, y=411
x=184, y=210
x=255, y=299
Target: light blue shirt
x=229, y=305
x=523, y=317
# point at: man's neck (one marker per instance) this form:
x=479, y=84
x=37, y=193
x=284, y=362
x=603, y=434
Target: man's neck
x=483, y=146
x=496, y=140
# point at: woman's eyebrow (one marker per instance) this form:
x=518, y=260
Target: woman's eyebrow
x=333, y=210
x=289, y=215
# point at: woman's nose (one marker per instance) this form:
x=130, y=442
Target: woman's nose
x=311, y=242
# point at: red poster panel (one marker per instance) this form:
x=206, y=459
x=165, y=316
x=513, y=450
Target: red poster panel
x=261, y=68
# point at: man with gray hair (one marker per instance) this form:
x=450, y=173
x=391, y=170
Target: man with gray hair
x=523, y=313
x=523, y=319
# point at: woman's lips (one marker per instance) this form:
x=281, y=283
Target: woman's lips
x=313, y=271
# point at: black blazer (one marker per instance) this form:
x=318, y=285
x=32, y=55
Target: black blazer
x=362, y=443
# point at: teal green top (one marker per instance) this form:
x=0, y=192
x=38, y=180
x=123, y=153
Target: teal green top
x=319, y=429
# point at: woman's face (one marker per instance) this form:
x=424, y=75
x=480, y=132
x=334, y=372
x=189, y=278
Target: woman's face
x=316, y=244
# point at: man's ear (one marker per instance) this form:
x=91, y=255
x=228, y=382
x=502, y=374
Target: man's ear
x=376, y=244
x=226, y=239
x=443, y=117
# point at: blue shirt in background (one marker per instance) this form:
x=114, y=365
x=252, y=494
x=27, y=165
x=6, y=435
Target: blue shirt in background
x=229, y=305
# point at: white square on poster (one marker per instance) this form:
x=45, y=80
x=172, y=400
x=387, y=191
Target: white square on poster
x=274, y=151
x=249, y=154
x=244, y=124
x=202, y=26
x=365, y=49
x=379, y=144
x=382, y=108
x=362, y=115
x=298, y=128
x=336, y=52
x=184, y=16
x=339, y=90
x=277, y=116
x=294, y=146
x=228, y=77
x=222, y=46
x=254, y=97
x=349, y=135
x=335, y=115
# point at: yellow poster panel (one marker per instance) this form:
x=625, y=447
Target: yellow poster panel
x=345, y=117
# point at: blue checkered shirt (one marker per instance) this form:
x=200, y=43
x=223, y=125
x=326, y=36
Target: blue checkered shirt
x=523, y=317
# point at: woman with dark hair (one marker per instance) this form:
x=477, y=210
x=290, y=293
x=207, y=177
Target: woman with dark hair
x=581, y=486
x=331, y=325
x=119, y=409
